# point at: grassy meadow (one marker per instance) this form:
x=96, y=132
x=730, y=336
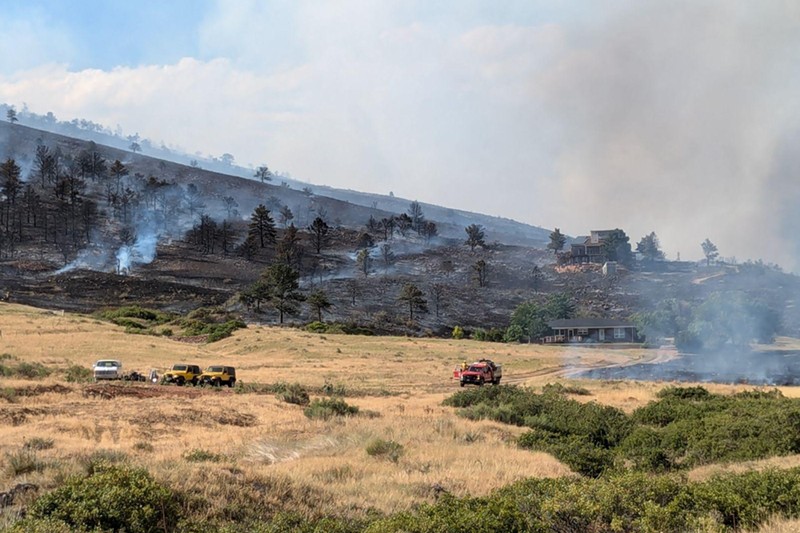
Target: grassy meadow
x=249, y=447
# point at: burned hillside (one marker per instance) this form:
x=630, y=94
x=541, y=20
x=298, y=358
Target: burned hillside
x=85, y=226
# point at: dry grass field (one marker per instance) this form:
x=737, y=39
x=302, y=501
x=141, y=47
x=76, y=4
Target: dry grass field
x=250, y=441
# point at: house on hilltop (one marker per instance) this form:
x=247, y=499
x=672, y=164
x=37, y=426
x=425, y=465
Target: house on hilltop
x=592, y=330
x=589, y=248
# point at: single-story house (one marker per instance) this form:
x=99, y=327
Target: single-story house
x=592, y=330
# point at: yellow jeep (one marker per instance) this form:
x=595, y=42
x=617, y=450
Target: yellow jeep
x=218, y=376
x=182, y=374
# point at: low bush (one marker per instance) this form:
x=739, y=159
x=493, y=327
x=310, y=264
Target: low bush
x=32, y=370
x=327, y=408
x=560, y=388
x=135, y=312
x=293, y=393
x=78, y=374
x=23, y=462
x=630, y=501
x=113, y=498
x=387, y=449
x=685, y=427
x=199, y=455
x=489, y=335
x=38, y=443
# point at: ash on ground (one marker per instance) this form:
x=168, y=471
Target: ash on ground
x=776, y=368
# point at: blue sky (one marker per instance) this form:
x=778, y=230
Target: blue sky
x=649, y=115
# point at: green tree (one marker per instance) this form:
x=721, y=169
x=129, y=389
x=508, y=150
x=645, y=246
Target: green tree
x=414, y=298
x=617, y=247
x=262, y=227
x=319, y=234
x=650, y=248
x=532, y=317
x=557, y=241
x=319, y=302
x=734, y=319
x=263, y=173
x=475, y=236
x=281, y=283
x=11, y=115
x=710, y=251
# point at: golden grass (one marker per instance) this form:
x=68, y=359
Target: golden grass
x=401, y=381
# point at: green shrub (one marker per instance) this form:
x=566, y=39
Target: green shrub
x=129, y=323
x=317, y=327
x=387, y=449
x=576, y=451
x=6, y=371
x=112, y=498
x=134, y=311
x=514, y=333
x=224, y=330
x=78, y=374
x=32, y=370
x=38, y=443
x=560, y=388
x=458, y=332
x=9, y=394
x=685, y=393
x=293, y=393
x=490, y=335
x=334, y=389
x=199, y=455
x=327, y=408
x=23, y=462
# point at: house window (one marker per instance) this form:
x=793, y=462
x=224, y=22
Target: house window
x=583, y=331
x=619, y=333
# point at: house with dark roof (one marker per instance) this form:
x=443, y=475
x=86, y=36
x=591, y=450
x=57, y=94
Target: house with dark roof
x=592, y=330
x=589, y=248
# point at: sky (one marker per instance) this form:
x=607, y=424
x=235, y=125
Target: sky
x=679, y=117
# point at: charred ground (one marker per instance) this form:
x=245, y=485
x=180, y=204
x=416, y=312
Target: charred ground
x=64, y=232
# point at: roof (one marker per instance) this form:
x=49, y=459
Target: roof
x=590, y=323
x=580, y=239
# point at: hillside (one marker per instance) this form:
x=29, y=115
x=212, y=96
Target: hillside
x=81, y=236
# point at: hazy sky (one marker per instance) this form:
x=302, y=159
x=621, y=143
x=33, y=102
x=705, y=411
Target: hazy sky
x=679, y=117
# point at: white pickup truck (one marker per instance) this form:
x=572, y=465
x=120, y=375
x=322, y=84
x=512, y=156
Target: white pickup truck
x=107, y=369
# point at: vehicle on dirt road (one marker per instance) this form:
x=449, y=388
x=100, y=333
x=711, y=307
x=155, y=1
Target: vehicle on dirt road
x=107, y=369
x=479, y=373
x=216, y=376
x=181, y=374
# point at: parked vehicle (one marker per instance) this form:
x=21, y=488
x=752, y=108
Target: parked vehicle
x=479, y=372
x=182, y=373
x=107, y=369
x=218, y=376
